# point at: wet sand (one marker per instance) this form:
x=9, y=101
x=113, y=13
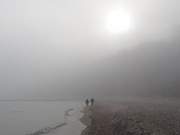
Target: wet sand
x=73, y=125
x=70, y=126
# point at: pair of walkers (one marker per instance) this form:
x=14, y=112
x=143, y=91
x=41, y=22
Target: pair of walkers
x=89, y=102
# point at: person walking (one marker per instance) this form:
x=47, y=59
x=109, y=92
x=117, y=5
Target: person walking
x=87, y=102
x=92, y=101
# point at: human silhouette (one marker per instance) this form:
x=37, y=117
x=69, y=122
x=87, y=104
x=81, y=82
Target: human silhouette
x=92, y=101
x=87, y=102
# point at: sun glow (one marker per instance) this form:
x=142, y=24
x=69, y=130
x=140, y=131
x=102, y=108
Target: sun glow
x=119, y=21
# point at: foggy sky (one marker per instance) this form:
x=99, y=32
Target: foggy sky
x=48, y=46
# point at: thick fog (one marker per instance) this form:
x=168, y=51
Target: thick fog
x=61, y=49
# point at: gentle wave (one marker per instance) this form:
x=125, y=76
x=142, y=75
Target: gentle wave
x=47, y=130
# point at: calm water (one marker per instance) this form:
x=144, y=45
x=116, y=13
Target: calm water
x=20, y=118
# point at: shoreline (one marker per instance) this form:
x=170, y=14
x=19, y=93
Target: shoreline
x=127, y=118
x=70, y=121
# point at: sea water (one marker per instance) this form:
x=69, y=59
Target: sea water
x=21, y=118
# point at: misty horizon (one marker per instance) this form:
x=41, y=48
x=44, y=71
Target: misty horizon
x=73, y=49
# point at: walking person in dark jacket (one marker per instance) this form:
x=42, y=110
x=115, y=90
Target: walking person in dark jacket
x=87, y=102
x=92, y=101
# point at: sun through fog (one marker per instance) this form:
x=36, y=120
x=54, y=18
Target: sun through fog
x=119, y=21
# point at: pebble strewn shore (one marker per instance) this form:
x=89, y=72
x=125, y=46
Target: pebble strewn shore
x=132, y=119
